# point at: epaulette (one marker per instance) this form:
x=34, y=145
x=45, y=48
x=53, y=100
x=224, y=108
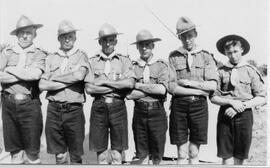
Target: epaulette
x=162, y=61
x=43, y=50
x=121, y=55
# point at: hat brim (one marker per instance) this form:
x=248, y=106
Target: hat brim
x=152, y=39
x=37, y=26
x=75, y=30
x=108, y=35
x=191, y=28
x=221, y=43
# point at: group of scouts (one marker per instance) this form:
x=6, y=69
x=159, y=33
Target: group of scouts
x=190, y=76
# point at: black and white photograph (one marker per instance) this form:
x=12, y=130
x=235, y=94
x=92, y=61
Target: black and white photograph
x=134, y=83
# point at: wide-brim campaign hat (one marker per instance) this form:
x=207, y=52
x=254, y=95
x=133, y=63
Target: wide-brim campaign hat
x=24, y=22
x=221, y=43
x=145, y=35
x=107, y=30
x=183, y=25
x=65, y=27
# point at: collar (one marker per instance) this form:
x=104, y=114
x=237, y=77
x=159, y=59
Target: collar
x=18, y=49
x=186, y=52
x=142, y=63
x=241, y=64
x=101, y=55
x=68, y=53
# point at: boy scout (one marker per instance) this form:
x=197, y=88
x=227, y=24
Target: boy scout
x=240, y=88
x=20, y=69
x=193, y=77
x=149, y=120
x=111, y=76
x=64, y=81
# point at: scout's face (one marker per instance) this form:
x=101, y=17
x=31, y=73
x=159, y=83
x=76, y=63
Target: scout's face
x=67, y=41
x=108, y=44
x=234, y=53
x=145, y=48
x=26, y=36
x=188, y=39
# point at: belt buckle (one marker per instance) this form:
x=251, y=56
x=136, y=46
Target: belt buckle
x=192, y=98
x=108, y=99
x=19, y=96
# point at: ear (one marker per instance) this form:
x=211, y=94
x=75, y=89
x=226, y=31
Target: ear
x=153, y=45
x=99, y=42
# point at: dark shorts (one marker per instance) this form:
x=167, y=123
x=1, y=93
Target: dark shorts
x=65, y=129
x=108, y=118
x=234, y=135
x=22, y=124
x=149, y=129
x=189, y=117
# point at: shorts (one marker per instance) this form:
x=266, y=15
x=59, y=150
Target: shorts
x=189, y=116
x=108, y=119
x=149, y=129
x=234, y=135
x=22, y=124
x=65, y=129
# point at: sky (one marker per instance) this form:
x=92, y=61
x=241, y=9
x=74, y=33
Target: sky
x=214, y=19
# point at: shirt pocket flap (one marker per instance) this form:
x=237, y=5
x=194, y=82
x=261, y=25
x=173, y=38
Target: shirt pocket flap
x=180, y=66
x=244, y=80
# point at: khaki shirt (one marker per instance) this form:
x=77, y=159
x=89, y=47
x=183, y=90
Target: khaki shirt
x=159, y=74
x=203, y=67
x=121, y=68
x=75, y=92
x=249, y=86
x=35, y=58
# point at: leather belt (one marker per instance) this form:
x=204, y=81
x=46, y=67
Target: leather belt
x=17, y=96
x=108, y=99
x=192, y=98
x=148, y=105
x=64, y=104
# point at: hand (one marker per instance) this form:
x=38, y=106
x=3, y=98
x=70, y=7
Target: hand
x=138, y=85
x=100, y=82
x=184, y=82
x=230, y=112
x=238, y=105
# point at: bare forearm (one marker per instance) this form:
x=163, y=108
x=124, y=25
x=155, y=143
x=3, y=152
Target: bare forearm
x=51, y=85
x=220, y=101
x=135, y=94
x=27, y=74
x=203, y=85
x=93, y=89
x=7, y=78
x=179, y=90
x=71, y=77
x=151, y=88
x=121, y=84
x=256, y=101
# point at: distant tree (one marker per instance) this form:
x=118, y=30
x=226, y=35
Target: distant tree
x=252, y=62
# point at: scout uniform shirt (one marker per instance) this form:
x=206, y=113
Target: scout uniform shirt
x=113, y=67
x=31, y=57
x=202, y=68
x=63, y=63
x=243, y=84
x=159, y=74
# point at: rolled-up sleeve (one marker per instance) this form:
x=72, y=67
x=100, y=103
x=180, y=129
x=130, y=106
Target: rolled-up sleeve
x=47, y=72
x=163, y=77
x=39, y=61
x=89, y=78
x=257, y=84
x=210, y=69
x=217, y=92
x=172, y=84
x=128, y=70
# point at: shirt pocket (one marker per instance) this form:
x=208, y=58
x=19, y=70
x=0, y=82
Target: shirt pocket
x=245, y=84
x=181, y=70
x=154, y=77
